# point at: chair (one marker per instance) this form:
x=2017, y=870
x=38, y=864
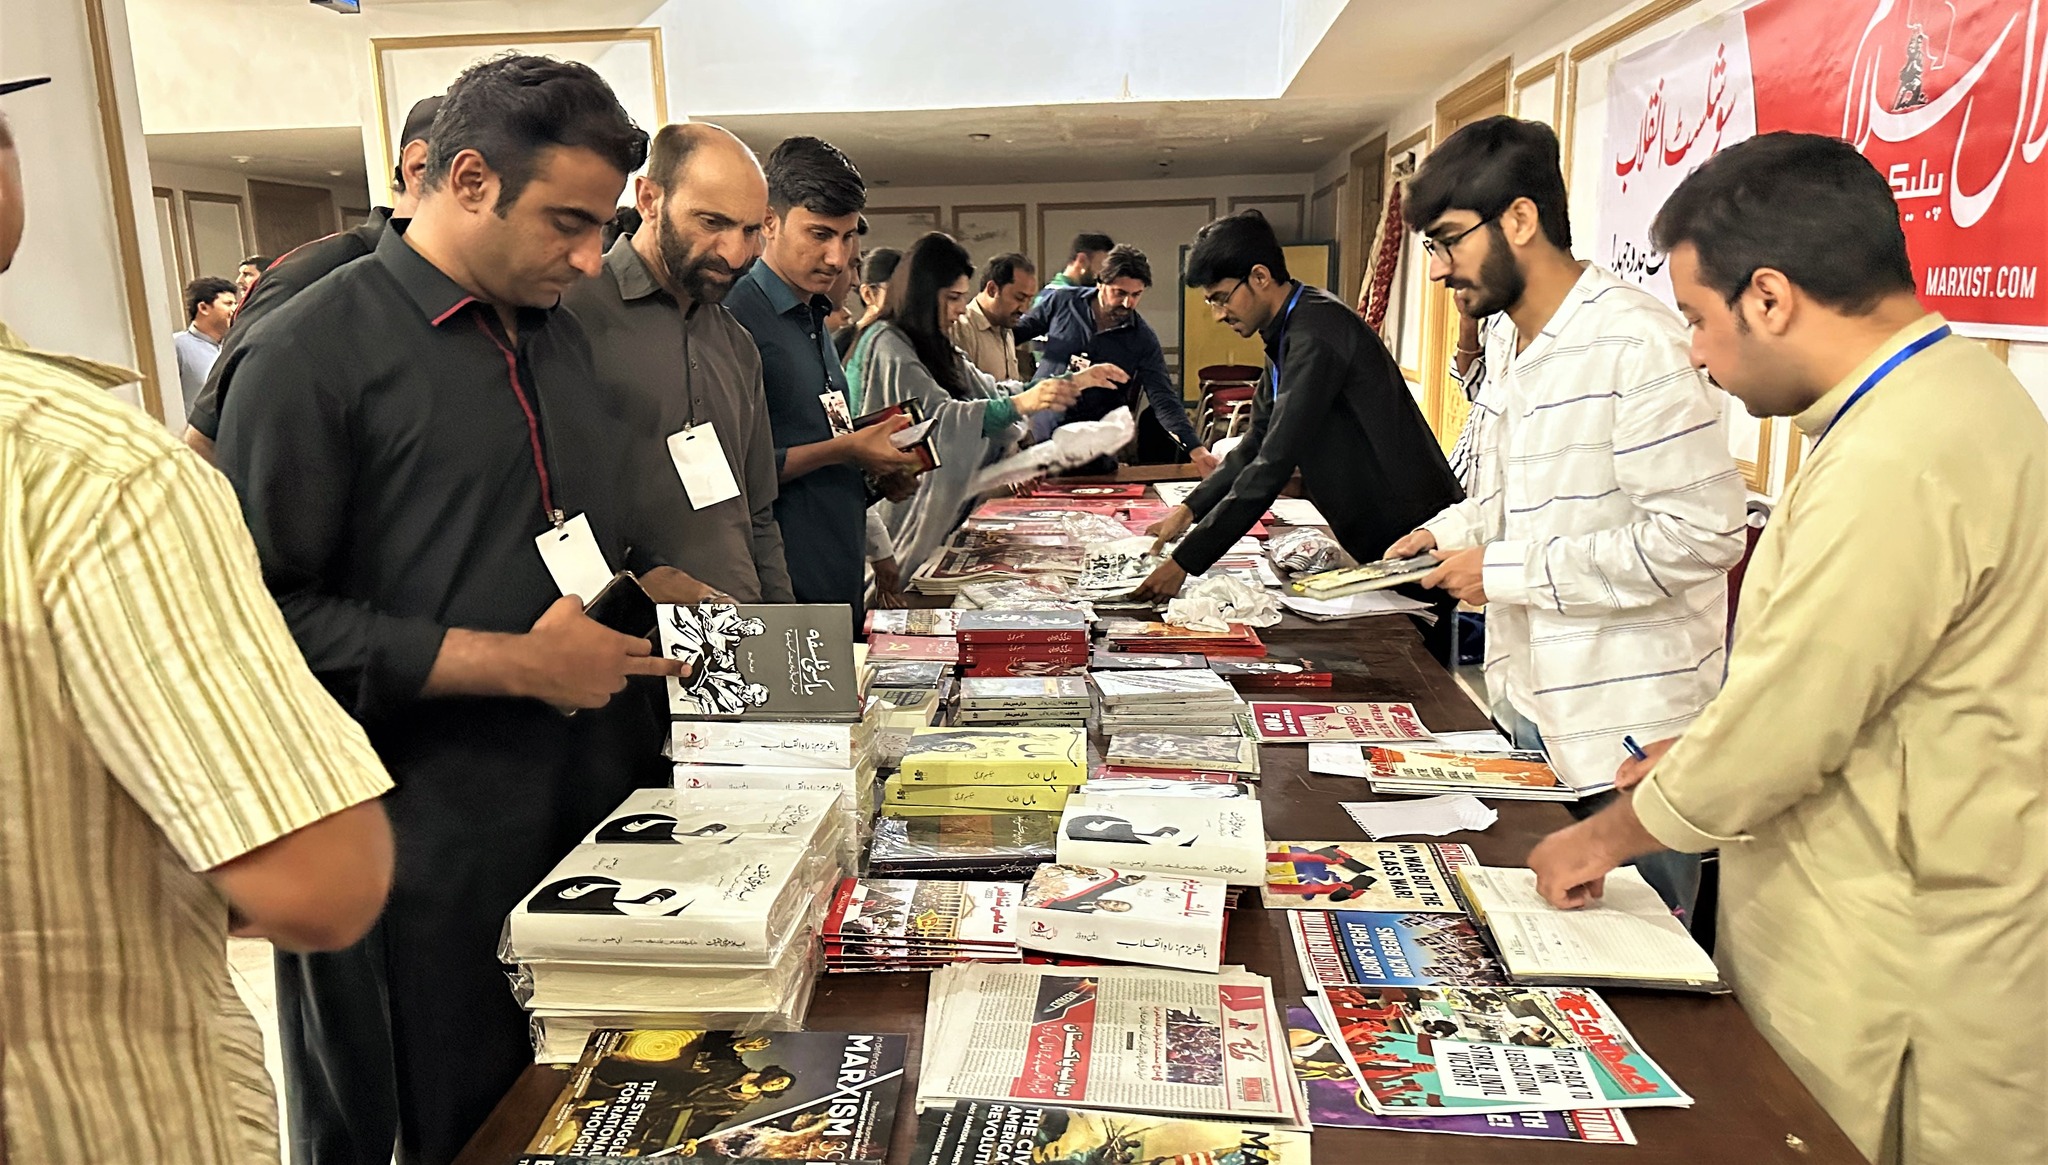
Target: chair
x=1222, y=386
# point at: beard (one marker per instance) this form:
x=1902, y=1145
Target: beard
x=702, y=276
x=1500, y=284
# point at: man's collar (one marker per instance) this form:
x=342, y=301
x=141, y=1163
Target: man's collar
x=784, y=298
x=438, y=297
x=1821, y=413
x=629, y=267
x=193, y=331
x=977, y=318
x=1271, y=332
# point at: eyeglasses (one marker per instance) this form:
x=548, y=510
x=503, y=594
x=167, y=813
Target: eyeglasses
x=1218, y=301
x=1441, y=248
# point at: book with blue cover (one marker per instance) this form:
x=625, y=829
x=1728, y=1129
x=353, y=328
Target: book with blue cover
x=1372, y=948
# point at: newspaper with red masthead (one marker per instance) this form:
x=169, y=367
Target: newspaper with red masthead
x=1129, y=1038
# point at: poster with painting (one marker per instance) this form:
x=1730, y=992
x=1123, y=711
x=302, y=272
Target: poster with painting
x=989, y=230
x=899, y=226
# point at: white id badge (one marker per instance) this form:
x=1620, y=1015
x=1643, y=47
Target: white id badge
x=700, y=462
x=836, y=412
x=572, y=557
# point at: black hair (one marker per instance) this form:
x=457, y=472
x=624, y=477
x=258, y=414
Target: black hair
x=1089, y=242
x=1804, y=204
x=1484, y=168
x=933, y=265
x=1231, y=246
x=880, y=265
x=204, y=290
x=1003, y=269
x=419, y=123
x=670, y=151
x=509, y=108
x=1125, y=261
x=259, y=262
x=808, y=172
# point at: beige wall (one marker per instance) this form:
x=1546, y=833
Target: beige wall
x=87, y=279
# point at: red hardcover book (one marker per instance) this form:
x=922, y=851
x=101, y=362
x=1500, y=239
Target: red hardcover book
x=969, y=640
x=938, y=648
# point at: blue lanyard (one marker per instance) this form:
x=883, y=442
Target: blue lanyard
x=1280, y=348
x=1879, y=373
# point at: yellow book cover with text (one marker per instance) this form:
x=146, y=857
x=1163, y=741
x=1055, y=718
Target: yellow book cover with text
x=1012, y=798
x=988, y=755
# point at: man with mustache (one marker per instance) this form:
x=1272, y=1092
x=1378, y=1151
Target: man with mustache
x=1605, y=509
x=669, y=349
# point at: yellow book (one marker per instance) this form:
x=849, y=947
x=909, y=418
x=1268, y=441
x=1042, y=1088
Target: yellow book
x=930, y=811
x=999, y=798
x=1003, y=756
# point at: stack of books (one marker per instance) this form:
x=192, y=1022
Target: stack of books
x=1220, y=838
x=1022, y=642
x=702, y=915
x=909, y=695
x=978, y=769
x=1184, y=751
x=1137, y=635
x=1265, y=675
x=911, y=621
x=920, y=924
x=962, y=845
x=1023, y=700
x=726, y=1096
x=1095, y=912
x=1193, y=701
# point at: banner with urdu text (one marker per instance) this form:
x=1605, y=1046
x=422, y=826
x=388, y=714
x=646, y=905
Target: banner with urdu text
x=1948, y=98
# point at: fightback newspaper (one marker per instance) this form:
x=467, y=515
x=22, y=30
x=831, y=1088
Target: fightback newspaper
x=1132, y=1038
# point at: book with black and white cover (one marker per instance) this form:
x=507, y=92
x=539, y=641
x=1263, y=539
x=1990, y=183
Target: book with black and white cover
x=907, y=673
x=852, y=783
x=1015, y=691
x=981, y=1132
x=666, y=988
x=1000, y=756
x=701, y=900
x=1123, y=915
x=1625, y=938
x=1106, y=660
x=1176, y=685
x=664, y=815
x=762, y=660
x=730, y=1096
x=1223, y=839
x=1178, y=750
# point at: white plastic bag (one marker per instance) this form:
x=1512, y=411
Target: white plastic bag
x=1071, y=445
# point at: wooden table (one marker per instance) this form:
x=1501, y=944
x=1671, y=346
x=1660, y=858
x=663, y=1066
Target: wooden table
x=1749, y=1109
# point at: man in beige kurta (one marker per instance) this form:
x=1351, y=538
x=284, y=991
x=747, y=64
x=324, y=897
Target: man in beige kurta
x=1875, y=771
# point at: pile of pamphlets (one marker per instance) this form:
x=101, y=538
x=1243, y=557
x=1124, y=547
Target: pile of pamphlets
x=1190, y=701
x=920, y=924
x=1023, y=700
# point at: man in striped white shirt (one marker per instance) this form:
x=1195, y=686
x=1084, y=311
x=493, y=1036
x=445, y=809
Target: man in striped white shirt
x=1605, y=510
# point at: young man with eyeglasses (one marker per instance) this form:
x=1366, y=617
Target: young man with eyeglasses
x=1606, y=508
x=1332, y=404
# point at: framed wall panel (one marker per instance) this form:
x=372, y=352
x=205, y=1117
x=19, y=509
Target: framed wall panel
x=405, y=69
x=171, y=241
x=1539, y=92
x=1287, y=213
x=1158, y=227
x=987, y=231
x=899, y=226
x=1323, y=208
x=217, y=233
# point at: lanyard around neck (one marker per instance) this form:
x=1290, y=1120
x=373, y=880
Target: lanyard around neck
x=1280, y=341
x=533, y=429
x=1879, y=373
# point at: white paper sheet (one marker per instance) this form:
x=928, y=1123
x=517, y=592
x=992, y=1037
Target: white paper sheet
x=1483, y=741
x=1424, y=817
x=1298, y=512
x=1352, y=606
x=1338, y=760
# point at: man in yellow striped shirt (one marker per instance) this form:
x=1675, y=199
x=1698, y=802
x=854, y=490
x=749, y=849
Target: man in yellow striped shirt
x=170, y=772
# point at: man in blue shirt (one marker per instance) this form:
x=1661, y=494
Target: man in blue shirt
x=815, y=198
x=1101, y=324
x=209, y=309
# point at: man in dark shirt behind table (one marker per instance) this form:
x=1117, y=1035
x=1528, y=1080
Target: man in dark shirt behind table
x=815, y=198
x=302, y=267
x=1332, y=404
x=431, y=474
x=1101, y=324
x=664, y=341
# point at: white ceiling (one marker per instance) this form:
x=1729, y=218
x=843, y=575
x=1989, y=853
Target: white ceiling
x=1376, y=57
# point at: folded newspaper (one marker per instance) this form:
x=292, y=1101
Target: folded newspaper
x=1137, y=1039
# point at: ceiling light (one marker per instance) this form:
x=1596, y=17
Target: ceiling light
x=334, y=173
x=1309, y=141
x=977, y=137
x=242, y=159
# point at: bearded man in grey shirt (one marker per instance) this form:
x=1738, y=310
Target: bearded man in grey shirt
x=685, y=371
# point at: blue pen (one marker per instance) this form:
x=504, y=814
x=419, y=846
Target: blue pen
x=1635, y=750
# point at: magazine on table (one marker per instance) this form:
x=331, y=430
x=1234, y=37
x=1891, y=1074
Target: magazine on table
x=1430, y=1051
x=924, y=912
x=1336, y=1100
x=728, y=1096
x=1368, y=576
x=1405, y=876
x=1286, y=722
x=1625, y=938
x=979, y=1132
x=1524, y=776
x=1370, y=948
x=1179, y=1043
x=1097, y=912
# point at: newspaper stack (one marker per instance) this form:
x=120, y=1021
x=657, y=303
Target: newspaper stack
x=1126, y=1038
x=680, y=909
x=911, y=924
x=1189, y=701
x=1020, y=700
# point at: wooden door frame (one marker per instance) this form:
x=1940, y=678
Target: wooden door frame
x=1486, y=91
